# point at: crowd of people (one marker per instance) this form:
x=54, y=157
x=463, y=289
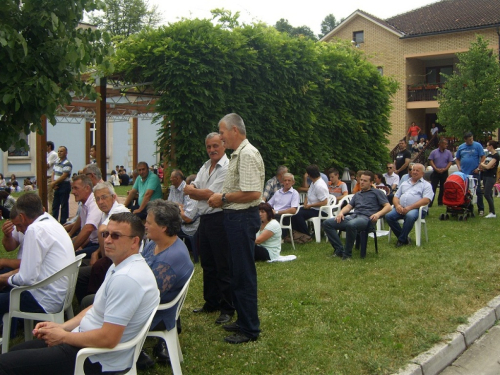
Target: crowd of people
x=137, y=253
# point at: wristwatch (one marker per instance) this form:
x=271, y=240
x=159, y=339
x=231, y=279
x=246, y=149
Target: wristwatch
x=224, y=200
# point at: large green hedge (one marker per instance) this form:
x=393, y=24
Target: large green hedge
x=302, y=101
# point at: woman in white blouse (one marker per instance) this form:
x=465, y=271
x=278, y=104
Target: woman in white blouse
x=268, y=241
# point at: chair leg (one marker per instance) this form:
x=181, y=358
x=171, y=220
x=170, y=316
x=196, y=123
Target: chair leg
x=175, y=354
x=418, y=232
x=317, y=229
x=28, y=329
x=6, y=333
x=375, y=240
x=291, y=237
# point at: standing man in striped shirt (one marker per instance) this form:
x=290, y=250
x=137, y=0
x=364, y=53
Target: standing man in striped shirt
x=61, y=184
x=239, y=199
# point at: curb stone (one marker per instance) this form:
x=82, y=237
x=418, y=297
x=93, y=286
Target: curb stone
x=441, y=355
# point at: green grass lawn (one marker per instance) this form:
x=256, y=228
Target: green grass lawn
x=368, y=316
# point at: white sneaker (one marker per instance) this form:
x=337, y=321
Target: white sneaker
x=490, y=216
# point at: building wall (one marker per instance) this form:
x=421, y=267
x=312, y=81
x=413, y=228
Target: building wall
x=405, y=61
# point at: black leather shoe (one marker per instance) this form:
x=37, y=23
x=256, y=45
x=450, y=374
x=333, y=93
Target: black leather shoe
x=233, y=327
x=161, y=352
x=337, y=255
x=239, y=338
x=144, y=361
x=399, y=244
x=203, y=310
x=223, y=319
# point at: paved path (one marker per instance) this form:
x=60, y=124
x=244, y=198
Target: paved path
x=482, y=357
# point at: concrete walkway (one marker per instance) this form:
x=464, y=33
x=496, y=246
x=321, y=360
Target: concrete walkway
x=473, y=349
x=482, y=358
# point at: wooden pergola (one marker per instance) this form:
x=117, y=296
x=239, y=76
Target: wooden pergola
x=117, y=99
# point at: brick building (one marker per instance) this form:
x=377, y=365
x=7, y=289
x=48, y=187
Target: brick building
x=414, y=47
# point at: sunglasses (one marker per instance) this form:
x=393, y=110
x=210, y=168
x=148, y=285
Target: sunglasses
x=114, y=236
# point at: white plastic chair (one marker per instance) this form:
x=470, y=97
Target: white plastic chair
x=289, y=225
x=316, y=221
x=418, y=227
x=137, y=341
x=172, y=337
x=71, y=272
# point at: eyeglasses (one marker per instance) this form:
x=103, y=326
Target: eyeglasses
x=114, y=236
x=389, y=167
x=102, y=197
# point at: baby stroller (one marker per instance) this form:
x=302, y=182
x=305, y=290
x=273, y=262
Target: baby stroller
x=459, y=192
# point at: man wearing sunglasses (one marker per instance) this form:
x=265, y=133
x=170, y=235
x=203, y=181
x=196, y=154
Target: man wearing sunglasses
x=91, y=277
x=121, y=308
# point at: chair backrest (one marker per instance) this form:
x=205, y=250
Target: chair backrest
x=137, y=341
x=180, y=298
x=72, y=273
x=302, y=197
x=332, y=199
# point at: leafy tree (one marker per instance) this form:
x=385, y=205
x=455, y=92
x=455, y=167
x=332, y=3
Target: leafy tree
x=284, y=26
x=470, y=98
x=41, y=60
x=126, y=17
x=303, y=102
x=328, y=24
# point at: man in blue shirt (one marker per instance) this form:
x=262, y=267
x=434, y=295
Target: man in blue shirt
x=468, y=157
x=411, y=195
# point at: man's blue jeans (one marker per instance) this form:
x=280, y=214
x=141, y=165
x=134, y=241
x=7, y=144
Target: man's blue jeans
x=241, y=229
x=409, y=220
x=351, y=225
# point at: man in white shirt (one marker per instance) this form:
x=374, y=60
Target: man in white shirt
x=286, y=200
x=47, y=249
x=317, y=196
x=91, y=277
x=90, y=217
x=391, y=178
x=51, y=160
x=214, y=251
x=121, y=308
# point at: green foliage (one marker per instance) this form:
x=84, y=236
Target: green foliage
x=41, y=60
x=303, y=102
x=284, y=26
x=125, y=17
x=328, y=24
x=470, y=98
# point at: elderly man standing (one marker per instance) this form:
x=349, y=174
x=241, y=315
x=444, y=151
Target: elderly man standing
x=370, y=204
x=440, y=160
x=61, y=185
x=274, y=184
x=149, y=188
x=121, y=308
x=468, y=157
x=214, y=251
x=286, y=200
x=46, y=250
x=240, y=198
x=90, y=216
x=411, y=195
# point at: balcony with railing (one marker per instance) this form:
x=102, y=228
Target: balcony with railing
x=423, y=92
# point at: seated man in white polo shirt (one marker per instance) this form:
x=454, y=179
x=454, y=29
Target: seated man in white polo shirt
x=121, y=308
x=286, y=200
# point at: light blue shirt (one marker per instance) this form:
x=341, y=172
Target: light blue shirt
x=409, y=192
